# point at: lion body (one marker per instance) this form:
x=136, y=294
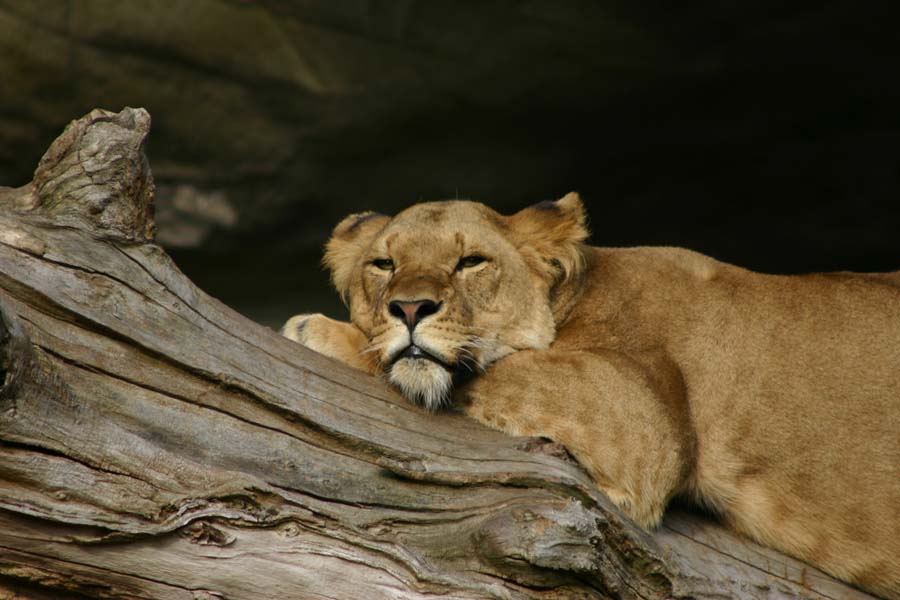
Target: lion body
x=772, y=400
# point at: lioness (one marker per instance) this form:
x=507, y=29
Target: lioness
x=773, y=400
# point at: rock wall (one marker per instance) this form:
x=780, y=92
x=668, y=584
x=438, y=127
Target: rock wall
x=761, y=133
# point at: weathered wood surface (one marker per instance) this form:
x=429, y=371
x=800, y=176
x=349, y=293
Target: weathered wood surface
x=156, y=444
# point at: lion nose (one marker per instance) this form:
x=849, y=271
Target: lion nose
x=413, y=311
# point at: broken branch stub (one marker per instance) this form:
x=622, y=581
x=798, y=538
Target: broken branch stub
x=95, y=176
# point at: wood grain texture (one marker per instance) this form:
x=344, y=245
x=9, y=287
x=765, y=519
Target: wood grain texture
x=156, y=444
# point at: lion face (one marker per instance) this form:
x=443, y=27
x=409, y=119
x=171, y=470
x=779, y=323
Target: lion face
x=444, y=289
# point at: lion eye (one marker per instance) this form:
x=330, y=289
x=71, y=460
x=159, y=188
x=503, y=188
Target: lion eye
x=469, y=261
x=385, y=264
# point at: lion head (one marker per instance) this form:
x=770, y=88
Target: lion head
x=444, y=289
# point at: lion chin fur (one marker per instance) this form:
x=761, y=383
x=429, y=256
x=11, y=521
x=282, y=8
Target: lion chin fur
x=422, y=382
x=772, y=400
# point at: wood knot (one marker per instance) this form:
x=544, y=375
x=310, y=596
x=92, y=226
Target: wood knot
x=537, y=545
x=205, y=534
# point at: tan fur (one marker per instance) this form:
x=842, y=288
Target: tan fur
x=773, y=400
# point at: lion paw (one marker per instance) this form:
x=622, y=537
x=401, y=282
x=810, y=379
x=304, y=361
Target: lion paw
x=336, y=339
x=296, y=326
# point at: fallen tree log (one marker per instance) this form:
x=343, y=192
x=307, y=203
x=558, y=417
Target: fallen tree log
x=156, y=444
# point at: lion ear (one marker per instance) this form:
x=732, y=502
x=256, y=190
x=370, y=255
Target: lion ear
x=550, y=235
x=348, y=241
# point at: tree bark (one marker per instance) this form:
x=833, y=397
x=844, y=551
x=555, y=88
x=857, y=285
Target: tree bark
x=156, y=444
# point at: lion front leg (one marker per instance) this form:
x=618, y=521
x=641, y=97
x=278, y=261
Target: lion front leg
x=603, y=408
x=337, y=339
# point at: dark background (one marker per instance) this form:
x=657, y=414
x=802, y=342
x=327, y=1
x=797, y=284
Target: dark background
x=762, y=133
